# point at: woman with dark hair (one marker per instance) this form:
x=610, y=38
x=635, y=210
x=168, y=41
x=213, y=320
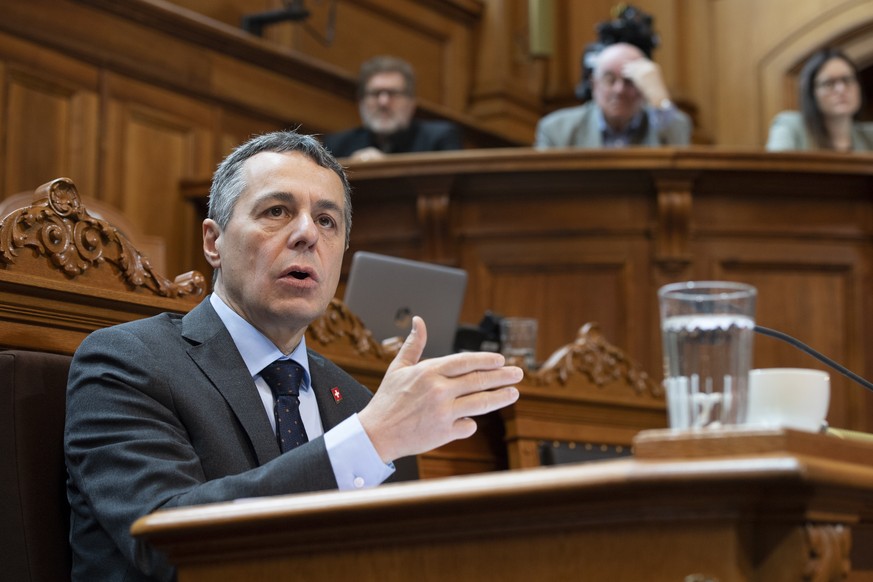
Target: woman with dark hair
x=830, y=100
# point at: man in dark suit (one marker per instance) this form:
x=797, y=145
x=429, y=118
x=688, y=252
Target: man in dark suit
x=183, y=410
x=386, y=102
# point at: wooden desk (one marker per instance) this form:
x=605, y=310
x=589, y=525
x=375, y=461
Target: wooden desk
x=770, y=506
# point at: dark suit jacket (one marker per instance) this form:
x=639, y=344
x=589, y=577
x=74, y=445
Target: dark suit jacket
x=420, y=136
x=162, y=412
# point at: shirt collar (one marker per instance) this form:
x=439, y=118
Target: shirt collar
x=256, y=349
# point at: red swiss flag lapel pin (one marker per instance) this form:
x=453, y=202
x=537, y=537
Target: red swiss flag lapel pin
x=337, y=395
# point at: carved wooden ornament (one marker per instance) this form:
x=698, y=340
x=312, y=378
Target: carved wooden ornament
x=597, y=359
x=829, y=549
x=339, y=326
x=58, y=227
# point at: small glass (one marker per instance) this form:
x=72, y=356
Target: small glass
x=518, y=341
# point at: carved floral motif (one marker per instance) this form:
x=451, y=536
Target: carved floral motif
x=58, y=227
x=829, y=547
x=338, y=325
x=600, y=361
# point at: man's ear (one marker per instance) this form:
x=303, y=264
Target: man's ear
x=211, y=236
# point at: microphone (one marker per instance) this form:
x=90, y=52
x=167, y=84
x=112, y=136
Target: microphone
x=820, y=357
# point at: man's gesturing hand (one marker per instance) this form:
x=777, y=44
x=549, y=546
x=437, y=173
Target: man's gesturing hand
x=421, y=405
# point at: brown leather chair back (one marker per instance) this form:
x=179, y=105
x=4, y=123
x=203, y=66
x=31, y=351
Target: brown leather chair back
x=34, y=514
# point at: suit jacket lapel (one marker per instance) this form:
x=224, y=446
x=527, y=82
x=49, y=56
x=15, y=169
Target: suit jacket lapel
x=216, y=355
x=336, y=399
x=591, y=124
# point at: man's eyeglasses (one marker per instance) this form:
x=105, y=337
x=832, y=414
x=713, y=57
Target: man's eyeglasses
x=611, y=79
x=831, y=84
x=375, y=94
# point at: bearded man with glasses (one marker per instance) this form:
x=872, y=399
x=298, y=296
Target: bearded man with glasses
x=386, y=103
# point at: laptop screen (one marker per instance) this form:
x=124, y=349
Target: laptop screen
x=385, y=292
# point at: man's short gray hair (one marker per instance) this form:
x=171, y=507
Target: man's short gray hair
x=229, y=183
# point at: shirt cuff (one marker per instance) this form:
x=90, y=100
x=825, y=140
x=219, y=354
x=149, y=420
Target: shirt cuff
x=354, y=459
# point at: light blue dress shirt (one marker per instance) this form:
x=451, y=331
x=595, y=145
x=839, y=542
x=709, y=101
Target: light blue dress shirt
x=354, y=459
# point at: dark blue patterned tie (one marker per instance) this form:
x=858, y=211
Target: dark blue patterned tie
x=283, y=377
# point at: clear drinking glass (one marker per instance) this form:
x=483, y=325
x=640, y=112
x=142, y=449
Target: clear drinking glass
x=707, y=329
x=518, y=339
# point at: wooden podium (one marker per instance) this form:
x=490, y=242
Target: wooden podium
x=742, y=505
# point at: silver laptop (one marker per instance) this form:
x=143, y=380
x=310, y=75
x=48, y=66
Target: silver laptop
x=385, y=292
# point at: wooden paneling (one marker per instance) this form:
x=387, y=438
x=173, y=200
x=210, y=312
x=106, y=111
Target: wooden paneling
x=508, y=81
x=436, y=37
x=427, y=35
x=237, y=128
x=155, y=139
x=50, y=117
x=593, y=280
x=274, y=93
x=576, y=236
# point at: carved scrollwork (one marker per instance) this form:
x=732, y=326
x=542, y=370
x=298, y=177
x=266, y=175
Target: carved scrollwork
x=339, y=325
x=829, y=547
x=63, y=197
x=58, y=226
x=600, y=361
x=674, y=220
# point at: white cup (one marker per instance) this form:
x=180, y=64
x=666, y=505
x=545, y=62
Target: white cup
x=794, y=398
